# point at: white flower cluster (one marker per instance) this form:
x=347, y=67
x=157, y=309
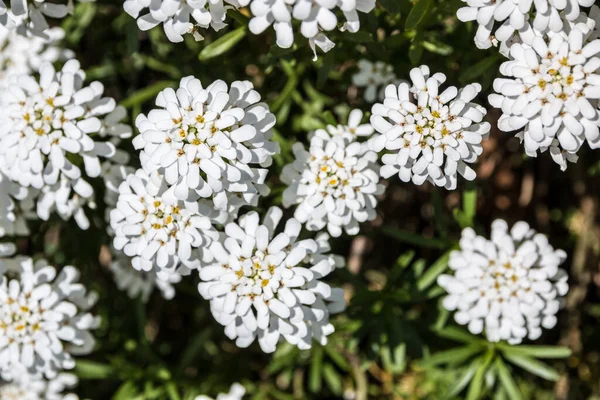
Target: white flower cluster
x=499, y=21
x=335, y=182
x=316, y=17
x=374, y=77
x=550, y=94
x=160, y=232
x=509, y=286
x=35, y=387
x=45, y=135
x=181, y=17
x=44, y=319
x=26, y=54
x=429, y=135
x=236, y=392
x=29, y=16
x=212, y=142
x=268, y=286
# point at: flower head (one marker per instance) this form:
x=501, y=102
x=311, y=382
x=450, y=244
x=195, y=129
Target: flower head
x=499, y=20
x=374, y=77
x=43, y=319
x=180, y=17
x=509, y=286
x=267, y=286
x=213, y=142
x=429, y=135
x=27, y=16
x=26, y=386
x=316, y=17
x=550, y=93
x=158, y=230
x=334, y=183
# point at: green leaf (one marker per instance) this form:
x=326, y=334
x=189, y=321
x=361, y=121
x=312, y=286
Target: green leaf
x=418, y=13
x=127, y=391
x=145, y=94
x=459, y=335
x=93, y=370
x=436, y=269
x=506, y=379
x=222, y=44
x=534, y=366
x=333, y=379
x=538, y=351
x=316, y=366
x=476, y=385
x=475, y=71
x=452, y=356
x=172, y=391
x=392, y=6
x=413, y=238
x=463, y=381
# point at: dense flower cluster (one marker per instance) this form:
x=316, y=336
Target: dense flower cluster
x=428, y=134
x=499, y=20
x=29, y=16
x=213, y=142
x=43, y=319
x=268, y=286
x=35, y=387
x=510, y=286
x=550, y=93
x=316, y=17
x=335, y=182
x=374, y=77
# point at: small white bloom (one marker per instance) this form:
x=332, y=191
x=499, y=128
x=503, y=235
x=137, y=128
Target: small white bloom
x=160, y=232
x=509, y=286
x=26, y=386
x=550, y=94
x=374, y=77
x=30, y=16
x=316, y=17
x=140, y=283
x=498, y=20
x=179, y=17
x=214, y=142
x=334, y=184
x=428, y=134
x=268, y=286
x=236, y=392
x=44, y=319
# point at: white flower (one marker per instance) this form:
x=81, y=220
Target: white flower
x=316, y=16
x=30, y=16
x=236, y=392
x=334, y=184
x=267, y=286
x=429, y=135
x=509, y=286
x=35, y=387
x=26, y=54
x=140, y=283
x=48, y=124
x=113, y=175
x=214, y=142
x=44, y=319
x=498, y=20
x=158, y=231
x=179, y=17
x=550, y=94
x=374, y=77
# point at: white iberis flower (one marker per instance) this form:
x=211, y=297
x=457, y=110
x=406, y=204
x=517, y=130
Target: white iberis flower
x=26, y=386
x=180, y=17
x=429, y=135
x=26, y=54
x=550, y=94
x=374, y=77
x=44, y=319
x=316, y=17
x=158, y=230
x=334, y=183
x=214, y=142
x=501, y=20
x=48, y=129
x=509, y=286
x=29, y=16
x=266, y=285
x=236, y=392
x=140, y=283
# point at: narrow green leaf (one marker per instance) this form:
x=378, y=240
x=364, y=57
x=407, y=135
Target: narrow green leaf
x=435, y=270
x=337, y=358
x=333, y=379
x=475, y=71
x=145, y=94
x=452, y=356
x=316, y=367
x=222, y=44
x=538, y=351
x=534, y=366
x=506, y=379
x=413, y=238
x=476, y=385
x=172, y=391
x=92, y=370
x=418, y=13
x=127, y=391
x=459, y=335
x=463, y=381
